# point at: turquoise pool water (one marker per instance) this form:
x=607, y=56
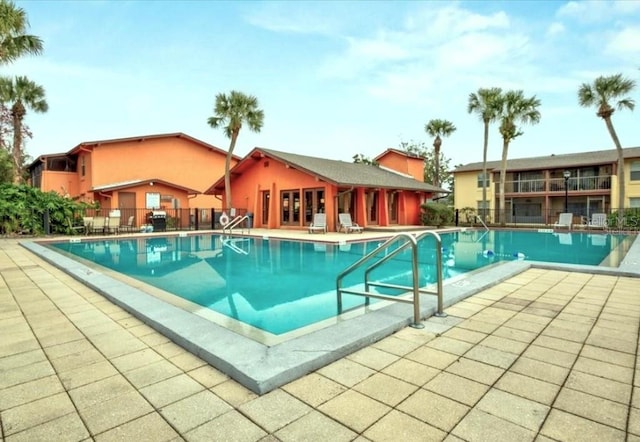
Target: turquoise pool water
x=279, y=286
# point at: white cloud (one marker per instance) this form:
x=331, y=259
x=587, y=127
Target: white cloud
x=289, y=17
x=597, y=10
x=626, y=42
x=555, y=28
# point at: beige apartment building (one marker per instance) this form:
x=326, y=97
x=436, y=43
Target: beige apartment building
x=538, y=189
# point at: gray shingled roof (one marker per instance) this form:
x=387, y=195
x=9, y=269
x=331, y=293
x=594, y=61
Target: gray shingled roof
x=351, y=174
x=555, y=161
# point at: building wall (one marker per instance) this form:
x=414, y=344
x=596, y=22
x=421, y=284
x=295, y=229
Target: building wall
x=65, y=183
x=404, y=164
x=467, y=193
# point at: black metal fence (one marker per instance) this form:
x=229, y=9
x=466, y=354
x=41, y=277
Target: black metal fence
x=139, y=220
x=621, y=220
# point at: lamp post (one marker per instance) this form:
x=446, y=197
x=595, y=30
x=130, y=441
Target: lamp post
x=566, y=175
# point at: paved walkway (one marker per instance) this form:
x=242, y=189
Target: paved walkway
x=546, y=355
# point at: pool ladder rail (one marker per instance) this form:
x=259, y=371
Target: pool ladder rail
x=235, y=222
x=411, y=241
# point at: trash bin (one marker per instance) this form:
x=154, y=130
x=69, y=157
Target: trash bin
x=158, y=219
x=250, y=220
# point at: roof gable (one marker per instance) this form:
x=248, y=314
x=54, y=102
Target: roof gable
x=333, y=171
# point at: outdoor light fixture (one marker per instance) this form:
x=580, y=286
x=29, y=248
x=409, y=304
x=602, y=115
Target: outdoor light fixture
x=567, y=175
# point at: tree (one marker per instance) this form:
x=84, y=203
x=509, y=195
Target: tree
x=485, y=104
x=438, y=128
x=23, y=94
x=421, y=150
x=360, y=158
x=514, y=108
x=14, y=41
x=601, y=94
x=6, y=167
x=230, y=113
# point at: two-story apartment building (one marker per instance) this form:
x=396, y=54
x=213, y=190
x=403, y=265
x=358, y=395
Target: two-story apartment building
x=538, y=189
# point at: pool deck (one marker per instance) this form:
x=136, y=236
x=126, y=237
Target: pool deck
x=548, y=353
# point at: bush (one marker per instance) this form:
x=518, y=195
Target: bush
x=22, y=210
x=436, y=214
x=627, y=219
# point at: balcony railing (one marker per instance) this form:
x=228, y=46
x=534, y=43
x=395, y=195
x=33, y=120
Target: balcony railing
x=556, y=185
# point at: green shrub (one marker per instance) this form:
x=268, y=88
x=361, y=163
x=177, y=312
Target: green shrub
x=436, y=214
x=22, y=210
x=627, y=219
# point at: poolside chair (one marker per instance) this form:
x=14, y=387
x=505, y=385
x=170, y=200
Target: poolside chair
x=319, y=223
x=347, y=224
x=129, y=227
x=565, y=220
x=113, y=224
x=598, y=221
x=98, y=225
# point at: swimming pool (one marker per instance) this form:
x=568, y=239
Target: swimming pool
x=279, y=286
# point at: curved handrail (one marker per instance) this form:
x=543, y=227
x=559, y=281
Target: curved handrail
x=438, y=264
x=233, y=223
x=413, y=242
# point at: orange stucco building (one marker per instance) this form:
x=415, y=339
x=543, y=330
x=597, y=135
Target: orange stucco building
x=285, y=190
x=165, y=171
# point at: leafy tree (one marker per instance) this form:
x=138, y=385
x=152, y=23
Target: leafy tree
x=230, y=113
x=360, y=158
x=602, y=93
x=485, y=104
x=14, y=41
x=515, y=108
x=421, y=150
x=438, y=128
x=23, y=94
x=6, y=167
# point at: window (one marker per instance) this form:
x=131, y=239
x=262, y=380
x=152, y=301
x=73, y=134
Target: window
x=486, y=179
x=634, y=203
x=483, y=205
x=83, y=164
x=635, y=171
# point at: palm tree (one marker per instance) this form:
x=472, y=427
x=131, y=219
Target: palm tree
x=514, y=108
x=485, y=104
x=437, y=128
x=22, y=94
x=13, y=40
x=230, y=112
x=601, y=94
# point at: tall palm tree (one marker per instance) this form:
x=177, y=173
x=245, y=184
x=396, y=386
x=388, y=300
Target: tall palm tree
x=485, y=104
x=438, y=128
x=14, y=41
x=231, y=112
x=602, y=93
x=22, y=94
x=515, y=108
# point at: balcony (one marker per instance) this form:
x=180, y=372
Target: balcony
x=575, y=184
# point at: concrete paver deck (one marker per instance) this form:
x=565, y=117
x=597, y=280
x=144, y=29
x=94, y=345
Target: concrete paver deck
x=545, y=355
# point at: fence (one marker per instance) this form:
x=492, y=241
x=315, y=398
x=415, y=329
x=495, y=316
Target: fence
x=617, y=220
x=133, y=220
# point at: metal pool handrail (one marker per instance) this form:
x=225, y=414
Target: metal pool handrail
x=415, y=300
x=233, y=223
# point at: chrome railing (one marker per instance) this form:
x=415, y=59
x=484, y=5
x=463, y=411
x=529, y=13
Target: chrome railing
x=228, y=228
x=557, y=185
x=411, y=241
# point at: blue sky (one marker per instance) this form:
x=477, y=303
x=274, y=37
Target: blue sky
x=333, y=78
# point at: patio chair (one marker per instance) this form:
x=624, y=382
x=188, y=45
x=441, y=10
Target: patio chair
x=347, y=224
x=129, y=227
x=565, y=220
x=113, y=224
x=319, y=223
x=598, y=221
x=98, y=224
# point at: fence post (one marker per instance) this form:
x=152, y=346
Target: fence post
x=457, y=215
x=213, y=219
x=47, y=224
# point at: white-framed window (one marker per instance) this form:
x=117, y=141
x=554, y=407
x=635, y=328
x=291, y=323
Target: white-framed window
x=486, y=179
x=483, y=205
x=635, y=171
x=634, y=203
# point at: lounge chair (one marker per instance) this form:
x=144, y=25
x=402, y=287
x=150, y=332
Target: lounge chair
x=319, y=223
x=112, y=225
x=347, y=224
x=129, y=227
x=98, y=224
x=598, y=221
x=565, y=220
